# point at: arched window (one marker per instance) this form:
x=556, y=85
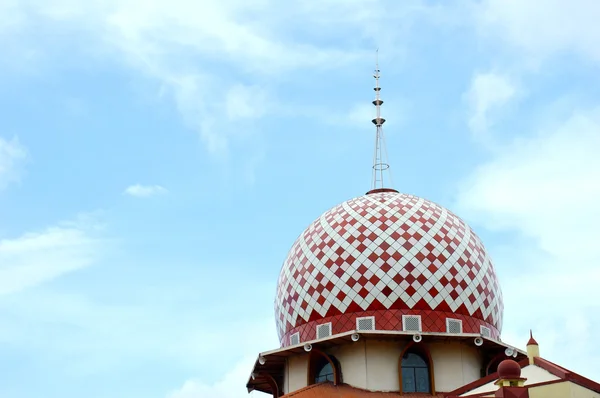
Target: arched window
x=323, y=367
x=415, y=373
x=323, y=370
x=492, y=366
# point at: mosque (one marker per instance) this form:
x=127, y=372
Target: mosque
x=391, y=294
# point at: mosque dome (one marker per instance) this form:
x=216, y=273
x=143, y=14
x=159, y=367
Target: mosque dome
x=387, y=261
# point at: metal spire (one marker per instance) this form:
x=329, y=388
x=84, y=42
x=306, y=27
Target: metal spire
x=380, y=157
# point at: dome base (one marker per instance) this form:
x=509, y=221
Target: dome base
x=390, y=320
x=381, y=190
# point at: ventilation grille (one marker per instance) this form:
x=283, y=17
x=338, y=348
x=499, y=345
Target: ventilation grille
x=485, y=331
x=365, y=323
x=295, y=338
x=453, y=326
x=411, y=323
x=324, y=330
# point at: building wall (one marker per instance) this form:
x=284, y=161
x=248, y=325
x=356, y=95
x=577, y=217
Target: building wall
x=353, y=363
x=554, y=390
x=562, y=390
x=580, y=392
x=382, y=365
x=533, y=374
x=373, y=365
x=455, y=365
x=296, y=374
x=370, y=364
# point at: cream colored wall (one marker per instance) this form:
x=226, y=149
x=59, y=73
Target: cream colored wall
x=454, y=365
x=370, y=364
x=296, y=373
x=382, y=365
x=580, y=392
x=565, y=389
x=373, y=365
x=352, y=361
x=555, y=390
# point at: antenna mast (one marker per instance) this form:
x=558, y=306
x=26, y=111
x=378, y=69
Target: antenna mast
x=380, y=157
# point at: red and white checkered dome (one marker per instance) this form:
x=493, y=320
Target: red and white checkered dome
x=387, y=256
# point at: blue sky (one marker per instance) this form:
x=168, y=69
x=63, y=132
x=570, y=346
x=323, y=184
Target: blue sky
x=158, y=159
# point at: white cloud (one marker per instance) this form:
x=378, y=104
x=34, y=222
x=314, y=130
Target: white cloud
x=91, y=336
x=488, y=93
x=542, y=28
x=144, y=191
x=535, y=183
x=543, y=189
x=244, y=348
x=202, y=53
x=172, y=42
x=12, y=155
x=245, y=102
x=38, y=257
x=9, y=16
x=231, y=385
x=184, y=46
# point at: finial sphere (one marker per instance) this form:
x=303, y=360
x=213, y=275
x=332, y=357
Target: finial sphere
x=509, y=369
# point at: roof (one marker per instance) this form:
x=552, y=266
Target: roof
x=542, y=372
x=328, y=390
x=274, y=361
x=531, y=339
x=566, y=374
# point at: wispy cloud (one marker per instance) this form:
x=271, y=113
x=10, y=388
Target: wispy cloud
x=184, y=46
x=145, y=191
x=201, y=54
x=12, y=155
x=37, y=257
x=539, y=29
x=488, y=93
x=542, y=189
x=231, y=385
x=94, y=335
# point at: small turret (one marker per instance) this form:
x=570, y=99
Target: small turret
x=533, y=349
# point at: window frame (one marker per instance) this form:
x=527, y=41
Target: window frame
x=421, y=350
x=316, y=356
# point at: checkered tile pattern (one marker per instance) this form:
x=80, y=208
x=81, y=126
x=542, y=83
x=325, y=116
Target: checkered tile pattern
x=389, y=319
x=387, y=251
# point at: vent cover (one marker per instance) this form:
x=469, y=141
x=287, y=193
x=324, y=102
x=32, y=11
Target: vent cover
x=453, y=326
x=295, y=338
x=324, y=330
x=365, y=323
x=485, y=331
x=411, y=323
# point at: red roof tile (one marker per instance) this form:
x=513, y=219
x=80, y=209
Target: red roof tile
x=566, y=374
x=328, y=390
x=556, y=370
x=531, y=339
